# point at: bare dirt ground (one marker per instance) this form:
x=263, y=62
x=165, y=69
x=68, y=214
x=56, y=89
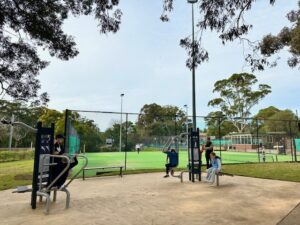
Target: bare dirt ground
x=149, y=199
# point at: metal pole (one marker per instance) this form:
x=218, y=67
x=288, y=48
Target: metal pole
x=193, y=72
x=187, y=128
x=219, y=131
x=120, y=145
x=175, y=126
x=291, y=140
x=257, y=141
x=66, y=131
x=296, y=134
x=11, y=131
x=126, y=144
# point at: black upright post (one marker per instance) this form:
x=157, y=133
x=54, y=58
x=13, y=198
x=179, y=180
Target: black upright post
x=192, y=157
x=219, y=133
x=195, y=160
x=36, y=166
x=291, y=140
x=126, y=141
x=190, y=153
x=66, y=140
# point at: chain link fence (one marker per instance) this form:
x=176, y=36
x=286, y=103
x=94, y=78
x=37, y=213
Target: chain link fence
x=136, y=139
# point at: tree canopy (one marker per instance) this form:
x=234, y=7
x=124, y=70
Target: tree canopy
x=160, y=120
x=225, y=17
x=214, y=120
x=237, y=97
x=27, y=25
x=288, y=37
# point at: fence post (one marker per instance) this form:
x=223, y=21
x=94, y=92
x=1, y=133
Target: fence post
x=11, y=132
x=66, y=132
x=291, y=140
x=126, y=139
x=220, y=139
x=257, y=141
x=175, y=128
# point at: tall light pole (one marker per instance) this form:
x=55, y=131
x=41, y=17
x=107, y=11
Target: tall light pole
x=193, y=64
x=120, y=147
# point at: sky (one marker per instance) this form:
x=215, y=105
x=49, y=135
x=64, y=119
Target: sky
x=145, y=62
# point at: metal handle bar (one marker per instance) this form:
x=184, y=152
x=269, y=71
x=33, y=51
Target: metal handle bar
x=60, y=175
x=81, y=169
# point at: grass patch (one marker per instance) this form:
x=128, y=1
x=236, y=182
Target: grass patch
x=9, y=156
x=274, y=171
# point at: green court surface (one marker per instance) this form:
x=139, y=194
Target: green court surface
x=17, y=173
x=156, y=160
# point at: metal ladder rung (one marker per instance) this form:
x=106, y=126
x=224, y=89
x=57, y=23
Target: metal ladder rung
x=50, y=164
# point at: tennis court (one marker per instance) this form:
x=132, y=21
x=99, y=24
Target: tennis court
x=156, y=160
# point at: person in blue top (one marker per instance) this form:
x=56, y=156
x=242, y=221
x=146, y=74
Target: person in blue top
x=214, y=169
x=172, y=157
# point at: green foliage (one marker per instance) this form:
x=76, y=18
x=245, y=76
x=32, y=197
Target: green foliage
x=288, y=37
x=279, y=122
x=50, y=116
x=266, y=113
x=113, y=132
x=272, y=119
x=26, y=25
x=156, y=120
x=216, y=119
x=237, y=97
x=23, y=113
x=88, y=132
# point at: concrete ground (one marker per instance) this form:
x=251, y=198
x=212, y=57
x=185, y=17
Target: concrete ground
x=149, y=199
x=293, y=217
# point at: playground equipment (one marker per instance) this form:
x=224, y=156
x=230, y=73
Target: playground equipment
x=194, y=154
x=43, y=181
x=102, y=168
x=174, y=140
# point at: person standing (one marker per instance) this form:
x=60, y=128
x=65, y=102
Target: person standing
x=138, y=148
x=209, y=148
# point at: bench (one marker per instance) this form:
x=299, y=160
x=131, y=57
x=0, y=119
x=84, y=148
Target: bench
x=102, y=168
x=221, y=174
x=217, y=176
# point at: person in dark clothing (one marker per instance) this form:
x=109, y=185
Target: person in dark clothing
x=58, y=145
x=59, y=168
x=172, y=156
x=209, y=148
